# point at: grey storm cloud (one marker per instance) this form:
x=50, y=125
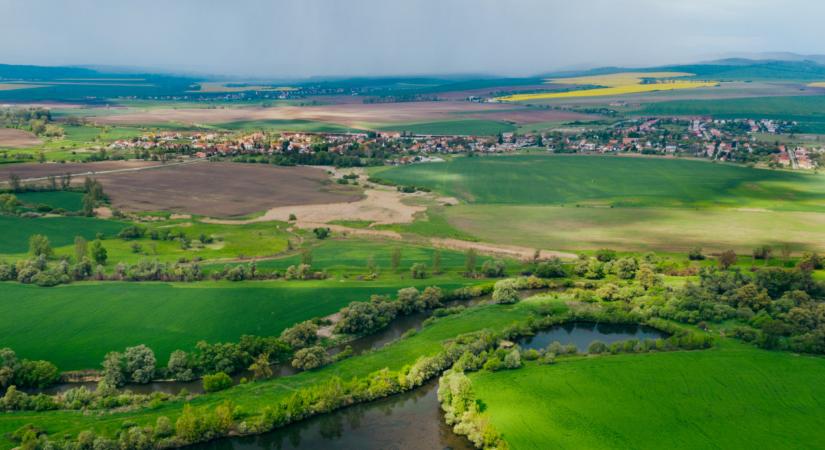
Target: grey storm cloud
x=298, y=38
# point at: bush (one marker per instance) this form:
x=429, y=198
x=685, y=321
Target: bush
x=696, y=254
x=551, y=268
x=597, y=347
x=216, y=382
x=310, y=358
x=505, y=292
x=606, y=255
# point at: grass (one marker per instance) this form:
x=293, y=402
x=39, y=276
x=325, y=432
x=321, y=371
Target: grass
x=75, y=325
x=613, y=181
x=732, y=397
x=253, y=397
x=68, y=200
x=470, y=127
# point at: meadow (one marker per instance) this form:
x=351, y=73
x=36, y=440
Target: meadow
x=61, y=231
x=472, y=127
x=729, y=397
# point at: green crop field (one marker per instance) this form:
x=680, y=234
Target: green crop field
x=61, y=231
x=610, y=180
x=75, y=325
x=640, y=229
x=474, y=127
x=732, y=397
x=68, y=200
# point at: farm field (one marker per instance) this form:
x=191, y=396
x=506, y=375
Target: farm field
x=731, y=397
x=36, y=170
x=222, y=189
x=68, y=200
x=616, y=84
x=11, y=138
x=613, y=181
x=451, y=127
x=74, y=326
x=61, y=231
x=639, y=229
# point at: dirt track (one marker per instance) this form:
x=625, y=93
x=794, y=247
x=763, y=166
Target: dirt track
x=29, y=171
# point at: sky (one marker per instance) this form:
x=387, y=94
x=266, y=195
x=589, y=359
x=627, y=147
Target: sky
x=283, y=39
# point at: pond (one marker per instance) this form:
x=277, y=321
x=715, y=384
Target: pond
x=581, y=334
x=412, y=420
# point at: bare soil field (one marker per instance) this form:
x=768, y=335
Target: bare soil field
x=347, y=114
x=10, y=138
x=222, y=189
x=525, y=116
x=36, y=170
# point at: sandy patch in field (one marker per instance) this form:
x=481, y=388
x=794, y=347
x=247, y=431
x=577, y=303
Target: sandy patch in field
x=510, y=251
x=10, y=137
x=381, y=206
x=347, y=114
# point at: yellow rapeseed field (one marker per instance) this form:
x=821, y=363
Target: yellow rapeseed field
x=615, y=84
x=819, y=84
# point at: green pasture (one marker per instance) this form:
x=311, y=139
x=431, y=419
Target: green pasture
x=473, y=127
x=733, y=397
x=61, y=231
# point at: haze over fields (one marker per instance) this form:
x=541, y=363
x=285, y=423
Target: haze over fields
x=298, y=38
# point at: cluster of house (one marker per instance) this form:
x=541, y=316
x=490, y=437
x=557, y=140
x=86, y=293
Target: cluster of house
x=714, y=139
x=722, y=140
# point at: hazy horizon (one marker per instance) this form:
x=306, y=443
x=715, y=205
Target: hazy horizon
x=328, y=38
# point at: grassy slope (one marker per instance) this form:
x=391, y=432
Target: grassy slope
x=75, y=325
x=732, y=397
x=253, y=397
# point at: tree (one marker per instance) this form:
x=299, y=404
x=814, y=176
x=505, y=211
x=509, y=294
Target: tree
x=310, y=358
x=261, y=368
x=179, y=366
x=696, y=254
x=140, y=363
x=114, y=369
x=513, y=360
x=321, y=233
x=99, y=253
x=493, y=268
x=552, y=268
x=470, y=262
x=88, y=207
x=646, y=277
x=727, y=259
x=418, y=271
x=80, y=248
x=14, y=183
x=301, y=335
x=436, y=261
x=39, y=246
x=306, y=256
x=396, y=259
x=763, y=252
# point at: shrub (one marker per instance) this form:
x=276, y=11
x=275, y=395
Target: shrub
x=696, y=254
x=418, y=271
x=309, y=358
x=216, y=382
x=493, y=268
x=597, y=347
x=505, y=292
x=551, y=268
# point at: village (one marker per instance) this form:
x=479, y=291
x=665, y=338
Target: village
x=736, y=140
